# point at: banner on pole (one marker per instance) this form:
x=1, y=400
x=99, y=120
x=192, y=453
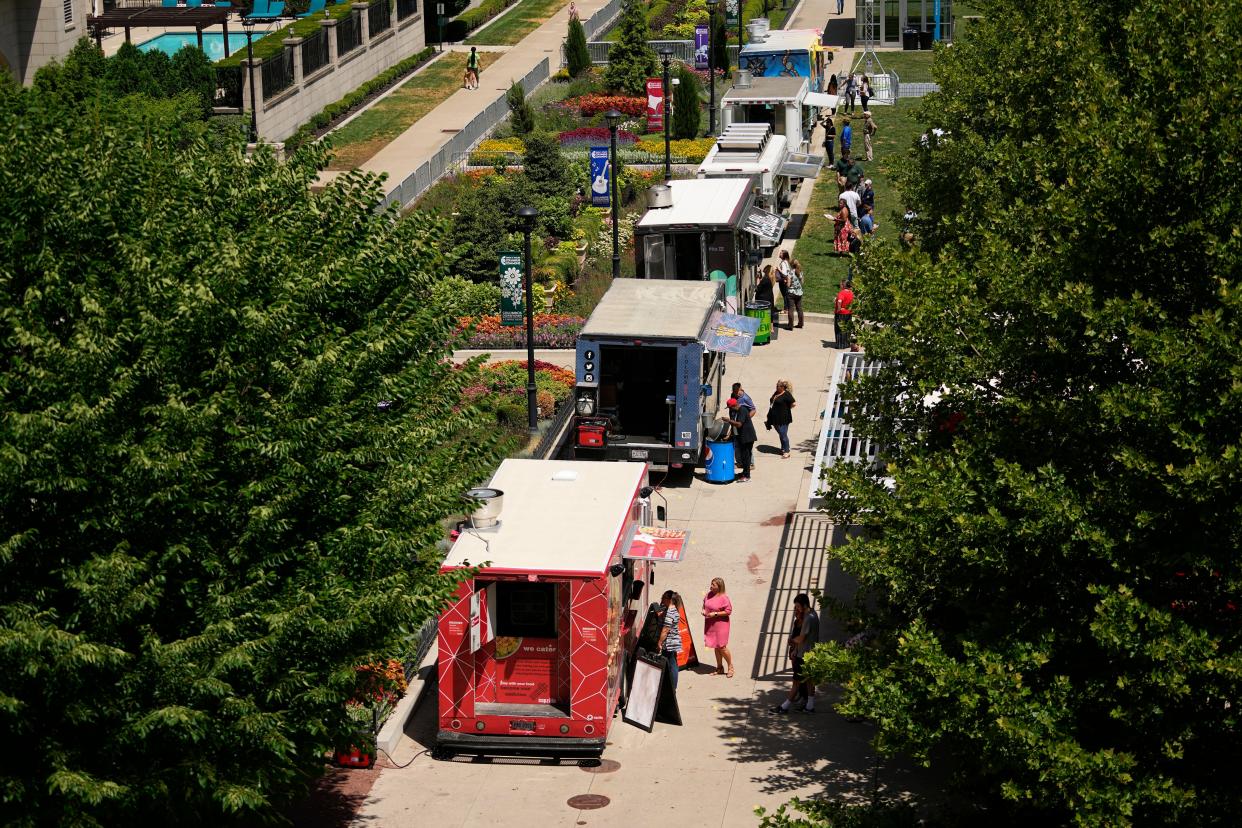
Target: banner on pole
x=601, y=177
x=512, y=307
x=700, y=47
x=731, y=12
x=655, y=105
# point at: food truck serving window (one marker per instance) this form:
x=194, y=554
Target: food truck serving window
x=525, y=610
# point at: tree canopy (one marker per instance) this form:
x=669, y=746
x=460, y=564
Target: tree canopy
x=1051, y=584
x=229, y=431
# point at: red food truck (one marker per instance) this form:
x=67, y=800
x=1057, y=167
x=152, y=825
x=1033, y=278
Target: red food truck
x=532, y=652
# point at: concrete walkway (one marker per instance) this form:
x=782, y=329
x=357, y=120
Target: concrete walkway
x=418, y=144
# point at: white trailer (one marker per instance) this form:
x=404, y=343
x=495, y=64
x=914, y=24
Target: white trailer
x=751, y=150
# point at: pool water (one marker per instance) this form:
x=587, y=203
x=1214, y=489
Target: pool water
x=213, y=43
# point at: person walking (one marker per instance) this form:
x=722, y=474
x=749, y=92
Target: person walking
x=840, y=6
x=802, y=638
x=869, y=131
x=744, y=436
x=864, y=95
x=670, y=633
x=830, y=138
x=796, y=288
x=780, y=413
x=851, y=89
x=847, y=137
x=716, y=611
x=844, y=314
x=472, y=66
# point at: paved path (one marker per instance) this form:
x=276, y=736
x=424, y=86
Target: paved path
x=418, y=144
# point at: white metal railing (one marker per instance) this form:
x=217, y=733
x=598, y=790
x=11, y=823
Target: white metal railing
x=837, y=441
x=683, y=50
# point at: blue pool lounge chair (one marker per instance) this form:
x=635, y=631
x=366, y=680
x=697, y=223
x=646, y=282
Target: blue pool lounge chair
x=194, y=4
x=167, y=3
x=316, y=6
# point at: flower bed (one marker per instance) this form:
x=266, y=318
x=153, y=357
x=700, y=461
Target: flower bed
x=694, y=150
x=590, y=105
x=552, y=330
x=594, y=135
x=508, y=380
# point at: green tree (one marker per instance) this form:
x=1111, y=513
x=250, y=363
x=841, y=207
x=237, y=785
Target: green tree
x=687, y=103
x=631, y=60
x=545, y=167
x=521, y=116
x=577, y=58
x=192, y=72
x=128, y=72
x=230, y=430
x=1051, y=574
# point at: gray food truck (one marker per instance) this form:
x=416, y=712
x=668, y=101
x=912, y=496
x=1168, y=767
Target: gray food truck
x=705, y=228
x=650, y=363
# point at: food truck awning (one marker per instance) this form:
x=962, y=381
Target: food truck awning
x=728, y=333
x=821, y=99
x=654, y=543
x=802, y=165
x=767, y=226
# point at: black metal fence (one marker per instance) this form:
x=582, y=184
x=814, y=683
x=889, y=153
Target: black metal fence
x=229, y=81
x=405, y=8
x=277, y=73
x=348, y=34
x=314, y=52
x=379, y=16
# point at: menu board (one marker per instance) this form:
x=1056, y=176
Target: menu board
x=527, y=674
x=655, y=543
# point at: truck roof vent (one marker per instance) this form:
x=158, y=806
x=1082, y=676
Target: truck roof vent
x=487, y=514
x=743, y=79
x=659, y=197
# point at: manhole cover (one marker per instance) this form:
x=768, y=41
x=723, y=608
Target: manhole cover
x=588, y=802
x=601, y=766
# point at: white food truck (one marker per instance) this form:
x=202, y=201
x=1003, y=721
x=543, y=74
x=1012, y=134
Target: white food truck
x=752, y=151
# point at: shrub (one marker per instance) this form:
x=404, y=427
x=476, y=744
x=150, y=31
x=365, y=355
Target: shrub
x=577, y=58
x=457, y=297
x=544, y=166
x=522, y=117
x=631, y=60
x=687, y=105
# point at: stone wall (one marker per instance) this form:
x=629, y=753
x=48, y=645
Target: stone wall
x=282, y=114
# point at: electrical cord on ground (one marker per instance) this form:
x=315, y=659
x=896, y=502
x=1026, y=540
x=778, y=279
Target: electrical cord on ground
x=407, y=764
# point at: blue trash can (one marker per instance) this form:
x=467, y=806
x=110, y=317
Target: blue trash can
x=719, y=463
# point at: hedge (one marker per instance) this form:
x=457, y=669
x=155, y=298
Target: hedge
x=335, y=110
x=472, y=19
x=271, y=43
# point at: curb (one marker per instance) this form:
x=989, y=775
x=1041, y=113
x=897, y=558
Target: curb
x=390, y=734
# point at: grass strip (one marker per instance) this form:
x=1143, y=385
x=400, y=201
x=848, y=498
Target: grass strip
x=516, y=23
x=271, y=43
x=821, y=266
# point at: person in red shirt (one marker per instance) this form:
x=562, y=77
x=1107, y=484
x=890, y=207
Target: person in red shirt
x=843, y=316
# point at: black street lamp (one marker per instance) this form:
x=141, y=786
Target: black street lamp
x=711, y=68
x=526, y=216
x=666, y=54
x=248, y=24
x=613, y=117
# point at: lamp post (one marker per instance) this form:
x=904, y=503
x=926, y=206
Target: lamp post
x=711, y=69
x=248, y=25
x=613, y=117
x=526, y=217
x=666, y=55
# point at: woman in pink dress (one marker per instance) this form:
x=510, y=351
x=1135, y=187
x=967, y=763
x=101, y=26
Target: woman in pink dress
x=716, y=611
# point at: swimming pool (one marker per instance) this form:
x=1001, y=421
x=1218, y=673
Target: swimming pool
x=213, y=43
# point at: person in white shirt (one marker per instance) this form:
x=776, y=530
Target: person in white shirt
x=852, y=200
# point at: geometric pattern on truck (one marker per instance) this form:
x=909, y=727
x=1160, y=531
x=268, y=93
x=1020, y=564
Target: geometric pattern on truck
x=456, y=670
x=589, y=611
x=564, y=624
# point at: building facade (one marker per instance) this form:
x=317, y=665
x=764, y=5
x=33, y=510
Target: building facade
x=892, y=17
x=33, y=33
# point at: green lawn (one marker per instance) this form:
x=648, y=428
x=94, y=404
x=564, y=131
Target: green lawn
x=911, y=67
x=820, y=264
x=367, y=134
x=517, y=23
